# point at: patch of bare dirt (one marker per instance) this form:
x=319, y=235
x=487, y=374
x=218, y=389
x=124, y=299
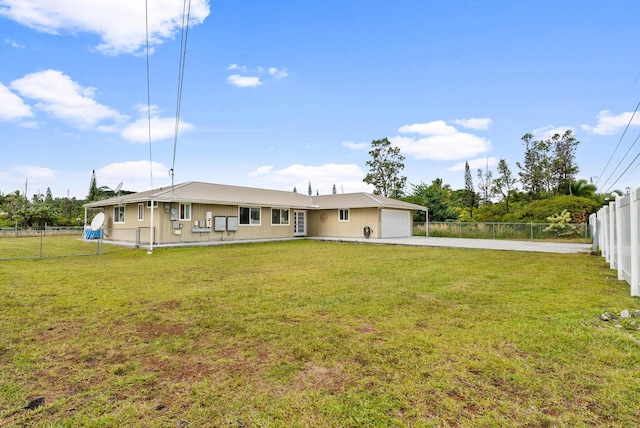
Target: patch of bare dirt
x=332, y=379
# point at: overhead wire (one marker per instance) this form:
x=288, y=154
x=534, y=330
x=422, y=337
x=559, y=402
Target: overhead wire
x=186, y=14
x=616, y=149
x=146, y=18
x=620, y=163
x=627, y=168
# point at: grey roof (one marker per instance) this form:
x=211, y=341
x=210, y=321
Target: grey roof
x=220, y=194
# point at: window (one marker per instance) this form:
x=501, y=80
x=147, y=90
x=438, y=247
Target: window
x=118, y=214
x=155, y=204
x=250, y=215
x=343, y=214
x=185, y=212
x=140, y=212
x=280, y=216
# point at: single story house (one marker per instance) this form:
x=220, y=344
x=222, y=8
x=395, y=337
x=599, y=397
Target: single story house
x=196, y=212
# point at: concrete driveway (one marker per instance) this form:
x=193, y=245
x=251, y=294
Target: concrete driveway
x=485, y=244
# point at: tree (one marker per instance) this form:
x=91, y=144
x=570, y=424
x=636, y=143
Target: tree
x=93, y=188
x=334, y=191
x=485, y=180
x=583, y=189
x=385, y=167
x=437, y=197
x=535, y=173
x=470, y=196
x=295, y=190
x=564, y=167
x=48, y=199
x=310, y=191
x=504, y=184
x=549, y=165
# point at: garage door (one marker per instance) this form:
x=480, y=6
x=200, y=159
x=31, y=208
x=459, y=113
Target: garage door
x=396, y=224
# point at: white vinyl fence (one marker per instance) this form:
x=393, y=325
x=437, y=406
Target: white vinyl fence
x=616, y=233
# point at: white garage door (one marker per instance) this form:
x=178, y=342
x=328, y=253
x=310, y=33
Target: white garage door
x=396, y=224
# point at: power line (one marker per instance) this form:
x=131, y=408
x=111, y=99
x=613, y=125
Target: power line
x=629, y=166
x=183, y=54
x=618, y=145
x=146, y=18
x=619, y=163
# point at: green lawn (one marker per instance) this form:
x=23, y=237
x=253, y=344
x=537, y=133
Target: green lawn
x=305, y=333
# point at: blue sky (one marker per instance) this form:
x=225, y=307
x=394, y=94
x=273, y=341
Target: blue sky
x=280, y=93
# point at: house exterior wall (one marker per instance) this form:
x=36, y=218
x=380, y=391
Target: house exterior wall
x=319, y=222
x=133, y=230
x=326, y=223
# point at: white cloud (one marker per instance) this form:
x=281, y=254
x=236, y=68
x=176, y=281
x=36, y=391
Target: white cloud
x=12, y=107
x=65, y=99
x=438, y=127
x=346, y=177
x=549, y=131
x=474, y=164
x=162, y=128
x=278, y=74
x=480, y=124
x=34, y=173
x=355, y=146
x=609, y=124
x=135, y=175
x=37, y=179
x=14, y=44
x=244, y=81
x=237, y=67
x=260, y=171
x=440, y=142
x=119, y=23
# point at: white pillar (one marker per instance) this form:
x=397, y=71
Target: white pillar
x=635, y=238
x=151, y=231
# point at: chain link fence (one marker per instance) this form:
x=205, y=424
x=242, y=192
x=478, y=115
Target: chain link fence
x=16, y=243
x=576, y=232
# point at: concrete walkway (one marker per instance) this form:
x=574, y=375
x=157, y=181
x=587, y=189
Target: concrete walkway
x=486, y=244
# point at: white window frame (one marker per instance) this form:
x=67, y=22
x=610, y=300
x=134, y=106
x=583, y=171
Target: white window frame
x=343, y=214
x=184, y=212
x=252, y=221
x=141, y=212
x=117, y=210
x=280, y=216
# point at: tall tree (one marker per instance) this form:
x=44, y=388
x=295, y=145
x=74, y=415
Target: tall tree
x=485, y=181
x=334, y=190
x=48, y=199
x=470, y=194
x=93, y=188
x=535, y=172
x=310, y=190
x=505, y=183
x=564, y=165
x=385, y=167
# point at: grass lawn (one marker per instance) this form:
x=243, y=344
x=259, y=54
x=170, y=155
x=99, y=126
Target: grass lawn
x=49, y=244
x=305, y=333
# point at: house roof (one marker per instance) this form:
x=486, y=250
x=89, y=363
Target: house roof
x=220, y=194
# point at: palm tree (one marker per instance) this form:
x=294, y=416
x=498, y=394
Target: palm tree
x=583, y=189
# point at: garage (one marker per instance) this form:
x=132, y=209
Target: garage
x=395, y=223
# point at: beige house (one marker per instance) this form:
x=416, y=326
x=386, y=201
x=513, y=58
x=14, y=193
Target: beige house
x=196, y=212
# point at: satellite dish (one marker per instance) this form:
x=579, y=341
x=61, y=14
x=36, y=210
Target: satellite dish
x=118, y=187
x=97, y=221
